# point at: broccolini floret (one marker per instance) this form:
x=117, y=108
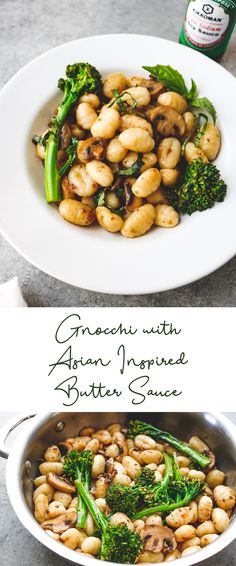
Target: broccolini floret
x=189, y=490
x=80, y=78
x=78, y=466
x=164, y=496
x=200, y=188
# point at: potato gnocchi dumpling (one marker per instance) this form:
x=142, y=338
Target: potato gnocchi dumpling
x=130, y=139
x=119, y=460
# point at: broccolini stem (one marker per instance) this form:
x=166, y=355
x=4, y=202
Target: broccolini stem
x=202, y=460
x=137, y=427
x=81, y=507
x=177, y=474
x=97, y=515
x=165, y=508
x=168, y=469
x=51, y=173
x=168, y=476
x=71, y=151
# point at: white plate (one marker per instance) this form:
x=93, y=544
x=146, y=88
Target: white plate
x=90, y=257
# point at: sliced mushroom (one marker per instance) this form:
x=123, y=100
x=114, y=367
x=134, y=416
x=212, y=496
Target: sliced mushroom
x=158, y=539
x=110, y=471
x=60, y=484
x=61, y=157
x=67, y=192
x=65, y=136
x=154, y=87
x=114, y=167
x=147, y=112
x=212, y=457
x=109, y=467
x=92, y=148
x=62, y=523
x=128, y=197
x=168, y=121
x=66, y=445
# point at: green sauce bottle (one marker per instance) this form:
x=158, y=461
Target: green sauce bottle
x=208, y=25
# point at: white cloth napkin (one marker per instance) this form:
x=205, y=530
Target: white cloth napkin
x=11, y=295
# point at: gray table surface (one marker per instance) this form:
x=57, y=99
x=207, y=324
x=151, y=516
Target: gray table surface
x=19, y=548
x=27, y=29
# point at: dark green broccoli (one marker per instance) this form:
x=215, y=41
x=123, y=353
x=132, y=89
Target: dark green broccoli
x=131, y=498
x=119, y=497
x=145, y=492
x=81, y=77
x=145, y=478
x=119, y=544
x=200, y=188
x=78, y=466
x=170, y=493
x=173, y=491
x=139, y=427
x=189, y=490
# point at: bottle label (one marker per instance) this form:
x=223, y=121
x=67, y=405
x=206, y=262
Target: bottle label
x=206, y=23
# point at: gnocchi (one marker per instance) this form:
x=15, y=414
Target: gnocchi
x=123, y=147
x=137, y=139
x=118, y=462
x=139, y=222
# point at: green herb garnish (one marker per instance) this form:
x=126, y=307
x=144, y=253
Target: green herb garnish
x=123, y=104
x=134, y=169
x=99, y=197
x=205, y=104
x=71, y=151
x=200, y=129
x=100, y=200
x=170, y=77
x=173, y=80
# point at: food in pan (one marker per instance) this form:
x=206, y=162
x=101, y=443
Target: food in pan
x=130, y=153
x=135, y=494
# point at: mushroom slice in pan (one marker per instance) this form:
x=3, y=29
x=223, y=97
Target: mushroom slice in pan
x=60, y=484
x=212, y=457
x=158, y=539
x=110, y=471
x=92, y=148
x=62, y=523
x=66, y=445
x=168, y=121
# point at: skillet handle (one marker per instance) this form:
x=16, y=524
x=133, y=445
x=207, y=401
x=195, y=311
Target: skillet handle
x=7, y=429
